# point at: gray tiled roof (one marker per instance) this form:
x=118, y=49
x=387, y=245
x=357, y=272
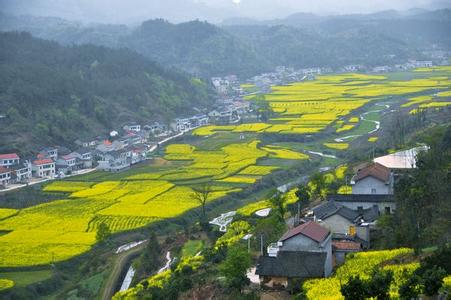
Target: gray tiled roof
x=292, y=264
x=361, y=198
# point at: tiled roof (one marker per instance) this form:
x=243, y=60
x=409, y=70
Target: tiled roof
x=309, y=229
x=375, y=170
x=4, y=170
x=330, y=208
x=346, y=245
x=292, y=264
x=9, y=156
x=43, y=161
x=368, y=198
x=67, y=157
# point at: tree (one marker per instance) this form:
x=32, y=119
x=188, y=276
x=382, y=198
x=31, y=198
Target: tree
x=103, y=232
x=319, y=186
x=379, y=284
x=432, y=280
x=150, y=257
x=234, y=267
x=354, y=289
x=202, y=194
x=278, y=201
x=411, y=288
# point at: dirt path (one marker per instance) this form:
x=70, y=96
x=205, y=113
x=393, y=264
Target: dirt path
x=121, y=262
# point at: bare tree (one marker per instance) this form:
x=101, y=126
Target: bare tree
x=202, y=194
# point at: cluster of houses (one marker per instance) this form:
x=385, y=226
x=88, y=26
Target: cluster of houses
x=340, y=225
x=48, y=163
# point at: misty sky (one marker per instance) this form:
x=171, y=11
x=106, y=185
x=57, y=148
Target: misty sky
x=134, y=11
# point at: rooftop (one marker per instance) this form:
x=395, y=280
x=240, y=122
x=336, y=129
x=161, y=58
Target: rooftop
x=330, y=208
x=9, y=156
x=4, y=170
x=44, y=161
x=346, y=245
x=402, y=159
x=375, y=170
x=293, y=264
x=309, y=229
x=368, y=198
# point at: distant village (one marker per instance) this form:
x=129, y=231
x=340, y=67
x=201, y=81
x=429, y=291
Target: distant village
x=134, y=142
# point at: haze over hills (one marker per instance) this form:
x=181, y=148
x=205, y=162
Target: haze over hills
x=136, y=11
x=247, y=47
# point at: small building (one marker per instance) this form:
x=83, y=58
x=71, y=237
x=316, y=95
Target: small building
x=343, y=247
x=374, y=179
x=21, y=173
x=5, y=177
x=66, y=163
x=288, y=266
x=9, y=159
x=132, y=127
x=343, y=220
x=385, y=202
x=43, y=168
x=84, y=158
x=49, y=152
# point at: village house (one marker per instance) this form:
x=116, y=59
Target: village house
x=43, y=168
x=342, y=247
x=132, y=127
x=342, y=220
x=5, y=177
x=114, y=160
x=49, y=152
x=21, y=173
x=9, y=159
x=302, y=252
x=66, y=163
x=373, y=179
x=385, y=203
x=83, y=158
x=86, y=143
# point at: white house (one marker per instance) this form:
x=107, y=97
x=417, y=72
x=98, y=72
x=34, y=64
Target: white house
x=373, y=179
x=49, y=152
x=9, y=159
x=132, y=127
x=22, y=172
x=44, y=168
x=5, y=176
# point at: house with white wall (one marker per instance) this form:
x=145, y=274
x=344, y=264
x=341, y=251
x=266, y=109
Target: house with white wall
x=5, y=177
x=303, y=252
x=9, y=159
x=374, y=179
x=43, y=168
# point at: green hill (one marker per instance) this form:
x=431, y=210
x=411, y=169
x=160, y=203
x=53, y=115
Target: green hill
x=55, y=94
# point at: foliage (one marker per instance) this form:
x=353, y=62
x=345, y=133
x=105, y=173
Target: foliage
x=6, y=284
x=103, y=232
x=421, y=217
x=57, y=94
x=354, y=289
x=235, y=266
x=235, y=232
x=278, y=204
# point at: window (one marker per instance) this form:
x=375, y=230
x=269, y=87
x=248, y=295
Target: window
x=373, y=191
x=387, y=209
x=359, y=207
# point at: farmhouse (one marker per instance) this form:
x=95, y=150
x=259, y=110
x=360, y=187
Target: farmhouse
x=9, y=159
x=66, y=163
x=43, y=168
x=302, y=252
x=49, y=152
x=385, y=203
x=5, y=176
x=342, y=220
x=132, y=127
x=373, y=179
x=21, y=172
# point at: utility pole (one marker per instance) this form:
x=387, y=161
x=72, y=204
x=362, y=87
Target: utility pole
x=261, y=244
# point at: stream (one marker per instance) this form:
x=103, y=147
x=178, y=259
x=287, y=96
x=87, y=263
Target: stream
x=362, y=117
x=169, y=261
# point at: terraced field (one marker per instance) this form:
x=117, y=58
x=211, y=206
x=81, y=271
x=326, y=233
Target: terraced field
x=162, y=189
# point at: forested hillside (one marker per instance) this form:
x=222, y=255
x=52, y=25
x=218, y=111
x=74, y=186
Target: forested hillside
x=54, y=94
x=246, y=47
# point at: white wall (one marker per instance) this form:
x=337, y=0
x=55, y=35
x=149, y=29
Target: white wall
x=366, y=185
